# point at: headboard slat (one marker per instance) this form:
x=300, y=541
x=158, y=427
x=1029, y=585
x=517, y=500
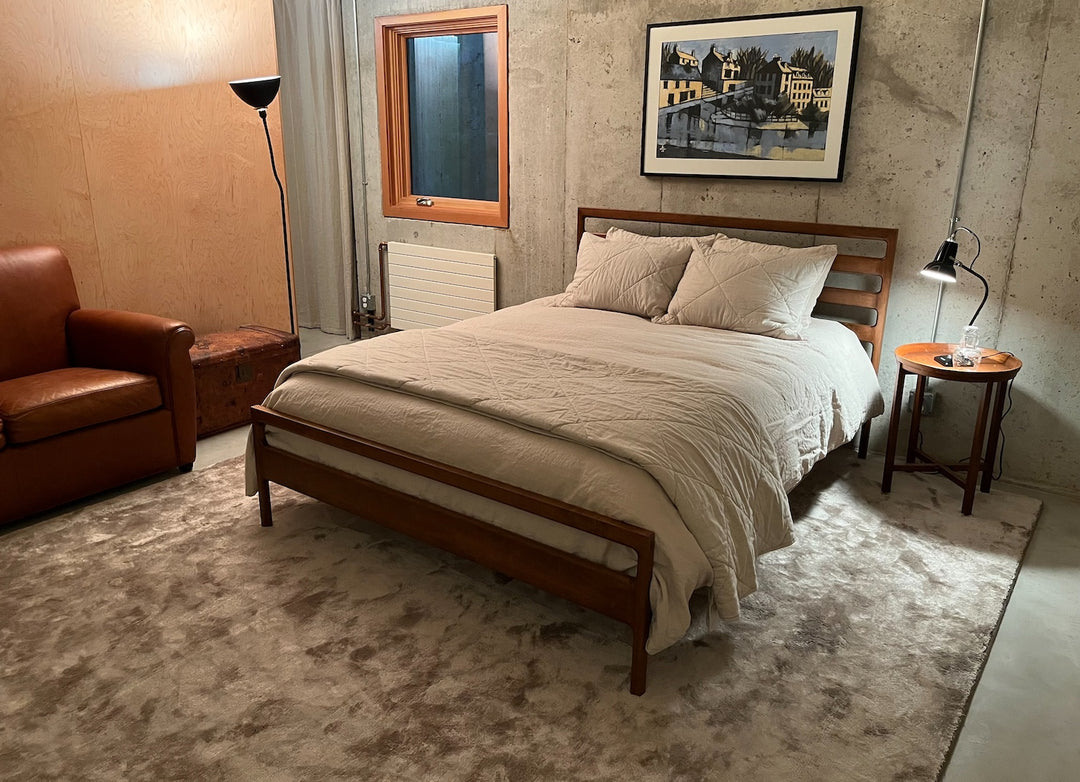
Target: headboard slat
x=862, y=331
x=848, y=298
x=857, y=264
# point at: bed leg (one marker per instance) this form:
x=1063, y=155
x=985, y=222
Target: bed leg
x=639, y=662
x=258, y=439
x=864, y=440
x=642, y=617
x=266, y=514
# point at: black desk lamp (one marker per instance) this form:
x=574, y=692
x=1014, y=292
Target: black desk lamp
x=943, y=267
x=260, y=93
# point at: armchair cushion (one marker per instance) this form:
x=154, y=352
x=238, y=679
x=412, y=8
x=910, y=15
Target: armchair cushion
x=38, y=406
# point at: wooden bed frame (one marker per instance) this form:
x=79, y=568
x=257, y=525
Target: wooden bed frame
x=612, y=593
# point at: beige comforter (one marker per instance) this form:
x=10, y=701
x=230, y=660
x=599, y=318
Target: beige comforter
x=663, y=426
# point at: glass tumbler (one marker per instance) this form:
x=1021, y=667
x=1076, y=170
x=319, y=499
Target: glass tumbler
x=967, y=352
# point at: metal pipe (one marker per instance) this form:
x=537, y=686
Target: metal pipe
x=376, y=322
x=955, y=219
x=382, y=318
x=345, y=12
x=365, y=226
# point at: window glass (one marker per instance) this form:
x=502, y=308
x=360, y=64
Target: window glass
x=453, y=116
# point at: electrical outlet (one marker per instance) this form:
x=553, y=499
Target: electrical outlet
x=927, y=401
x=367, y=302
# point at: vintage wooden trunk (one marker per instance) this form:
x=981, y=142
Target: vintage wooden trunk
x=235, y=370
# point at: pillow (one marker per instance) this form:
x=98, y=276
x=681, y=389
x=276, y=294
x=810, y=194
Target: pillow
x=670, y=241
x=633, y=277
x=751, y=287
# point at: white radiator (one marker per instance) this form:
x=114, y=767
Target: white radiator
x=435, y=286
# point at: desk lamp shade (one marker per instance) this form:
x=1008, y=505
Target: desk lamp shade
x=943, y=267
x=257, y=93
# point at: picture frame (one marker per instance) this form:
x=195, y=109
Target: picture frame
x=759, y=97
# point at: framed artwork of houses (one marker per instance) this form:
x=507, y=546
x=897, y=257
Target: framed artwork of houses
x=764, y=97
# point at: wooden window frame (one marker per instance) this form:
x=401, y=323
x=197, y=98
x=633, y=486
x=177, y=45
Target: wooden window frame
x=392, y=34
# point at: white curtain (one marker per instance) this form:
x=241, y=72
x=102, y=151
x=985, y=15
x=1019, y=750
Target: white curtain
x=315, y=127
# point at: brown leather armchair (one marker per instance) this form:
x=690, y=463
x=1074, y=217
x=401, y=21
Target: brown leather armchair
x=89, y=399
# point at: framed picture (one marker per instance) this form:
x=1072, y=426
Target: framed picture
x=765, y=97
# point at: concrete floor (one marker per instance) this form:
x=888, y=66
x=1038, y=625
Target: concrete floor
x=1024, y=721
x=1024, y=718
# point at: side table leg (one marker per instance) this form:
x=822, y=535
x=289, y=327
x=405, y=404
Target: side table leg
x=916, y=417
x=995, y=433
x=894, y=428
x=976, y=462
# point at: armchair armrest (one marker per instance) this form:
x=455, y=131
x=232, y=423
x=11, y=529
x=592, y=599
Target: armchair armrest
x=151, y=345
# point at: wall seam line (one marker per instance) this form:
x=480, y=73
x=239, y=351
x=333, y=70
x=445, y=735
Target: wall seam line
x=72, y=53
x=1027, y=172
x=566, y=157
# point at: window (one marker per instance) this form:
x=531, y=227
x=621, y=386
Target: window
x=443, y=118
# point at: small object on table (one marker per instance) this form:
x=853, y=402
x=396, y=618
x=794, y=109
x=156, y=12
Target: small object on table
x=235, y=370
x=994, y=370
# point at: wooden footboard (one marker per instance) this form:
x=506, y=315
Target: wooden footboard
x=609, y=592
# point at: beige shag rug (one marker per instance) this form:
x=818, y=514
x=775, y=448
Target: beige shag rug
x=163, y=634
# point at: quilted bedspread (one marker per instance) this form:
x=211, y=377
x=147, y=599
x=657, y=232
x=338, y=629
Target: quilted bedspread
x=684, y=413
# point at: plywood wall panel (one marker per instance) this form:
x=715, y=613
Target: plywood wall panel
x=190, y=230
x=44, y=198
x=166, y=168
x=186, y=207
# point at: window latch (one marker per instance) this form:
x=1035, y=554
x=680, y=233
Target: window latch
x=424, y=202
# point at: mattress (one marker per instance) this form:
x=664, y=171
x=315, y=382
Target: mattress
x=792, y=402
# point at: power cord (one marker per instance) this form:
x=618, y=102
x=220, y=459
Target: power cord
x=1004, y=413
x=1001, y=430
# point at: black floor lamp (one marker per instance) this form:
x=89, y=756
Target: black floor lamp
x=260, y=93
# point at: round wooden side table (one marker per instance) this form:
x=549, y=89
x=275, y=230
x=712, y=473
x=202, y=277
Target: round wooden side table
x=994, y=371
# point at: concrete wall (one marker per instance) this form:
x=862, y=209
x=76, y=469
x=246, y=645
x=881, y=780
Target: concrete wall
x=576, y=70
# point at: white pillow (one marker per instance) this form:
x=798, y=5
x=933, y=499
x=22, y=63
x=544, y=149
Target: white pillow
x=671, y=241
x=634, y=277
x=755, y=288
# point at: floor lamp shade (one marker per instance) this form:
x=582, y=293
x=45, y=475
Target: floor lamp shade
x=257, y=93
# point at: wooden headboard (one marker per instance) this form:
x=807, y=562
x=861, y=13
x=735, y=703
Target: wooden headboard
x=856, y=293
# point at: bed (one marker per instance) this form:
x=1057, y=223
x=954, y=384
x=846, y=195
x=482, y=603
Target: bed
x=613, y=461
